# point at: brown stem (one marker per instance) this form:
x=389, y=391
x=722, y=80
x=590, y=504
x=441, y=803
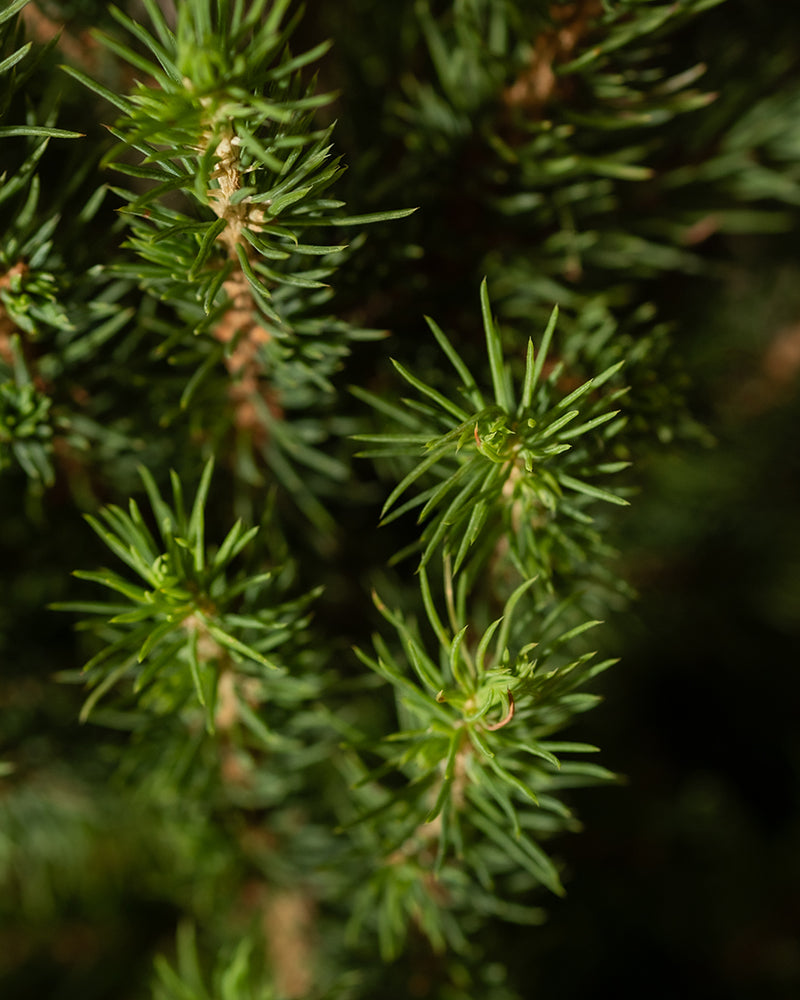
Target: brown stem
x=538, y=84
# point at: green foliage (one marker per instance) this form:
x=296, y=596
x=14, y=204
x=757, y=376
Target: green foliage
x=258, y=173
x=232, y=981
x=18, y=62
x=474, y=715
x=357, y=801
x=231, y=175
x=190, y=622
x=498, y=464
x=25, y=430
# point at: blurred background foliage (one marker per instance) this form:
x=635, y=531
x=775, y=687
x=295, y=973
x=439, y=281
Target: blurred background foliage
x=685, y=880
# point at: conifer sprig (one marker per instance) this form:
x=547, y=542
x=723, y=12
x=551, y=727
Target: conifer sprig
x=482, y=775
x=511, y=461
x=229, y=195
x=227, y=119
x=188, y=621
